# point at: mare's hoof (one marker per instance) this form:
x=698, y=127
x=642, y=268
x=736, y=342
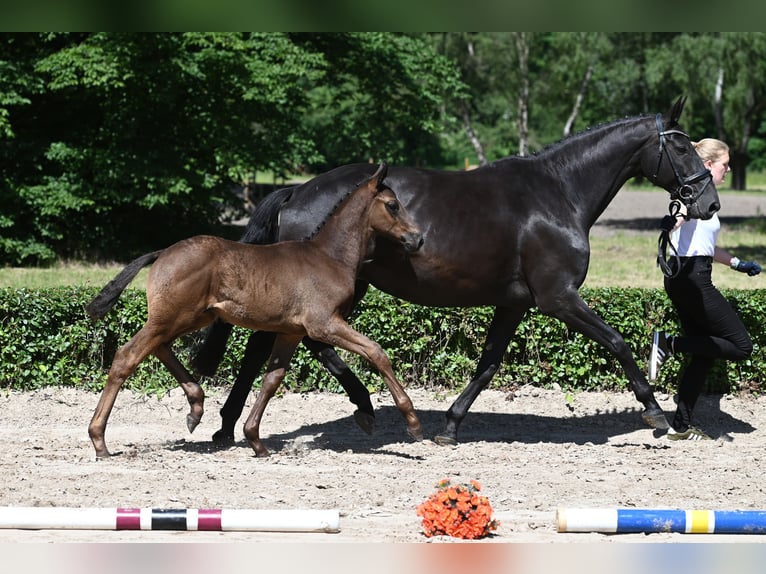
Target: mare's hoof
x=191, y=422
x=223, y=437
x=444, y=440
x=365, y=421
x=655, y=418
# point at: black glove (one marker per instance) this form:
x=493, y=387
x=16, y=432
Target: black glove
x=749, y=267
x=668, y=223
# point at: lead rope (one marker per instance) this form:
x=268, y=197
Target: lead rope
x=662, y=245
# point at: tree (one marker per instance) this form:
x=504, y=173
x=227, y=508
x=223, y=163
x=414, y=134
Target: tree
x=116, y=144
x=724, y=75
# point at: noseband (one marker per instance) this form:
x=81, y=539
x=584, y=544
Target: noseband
x=684, y=191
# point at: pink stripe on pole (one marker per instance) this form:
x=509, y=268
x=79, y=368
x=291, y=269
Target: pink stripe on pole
x=128, y=519
x=209, y=519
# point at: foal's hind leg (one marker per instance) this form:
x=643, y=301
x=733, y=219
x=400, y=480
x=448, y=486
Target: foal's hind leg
x=340, y=334
x=194, y=393
x=126, y=359
x=279, y=361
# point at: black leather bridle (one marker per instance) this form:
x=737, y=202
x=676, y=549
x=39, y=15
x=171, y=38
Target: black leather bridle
x=684, y=191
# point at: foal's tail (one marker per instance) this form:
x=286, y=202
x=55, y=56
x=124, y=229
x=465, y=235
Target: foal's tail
x=108, y=296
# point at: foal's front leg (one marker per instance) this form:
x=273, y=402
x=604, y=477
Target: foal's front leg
x=339, y=333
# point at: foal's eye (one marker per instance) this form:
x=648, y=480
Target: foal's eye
x=393, y=207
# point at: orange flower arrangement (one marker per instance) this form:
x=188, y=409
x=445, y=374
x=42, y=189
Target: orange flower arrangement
x=457, y=510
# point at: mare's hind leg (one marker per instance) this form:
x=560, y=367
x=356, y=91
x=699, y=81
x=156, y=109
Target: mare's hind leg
x=576, y=314
x=259, y=345
x=356, y=391
x=126, y=359
x=340, y=334
x=279, y=362
x=194, y=393
x=503, y=326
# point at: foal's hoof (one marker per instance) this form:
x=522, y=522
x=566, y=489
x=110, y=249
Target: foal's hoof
x=655, y=418
x=223, y=437
x=191, y=422
x=365, y=421
x=445, y=440
x=416, y=433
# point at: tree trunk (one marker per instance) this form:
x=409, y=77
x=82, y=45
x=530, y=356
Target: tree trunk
x=578, y=101
x=738, y=162
x=522, y=49
x=475, y=142
x=718, y=104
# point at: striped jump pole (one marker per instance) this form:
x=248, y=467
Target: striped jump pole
x=631, y=520
x=43, y=518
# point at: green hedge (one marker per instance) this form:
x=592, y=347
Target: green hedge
x=46, y=339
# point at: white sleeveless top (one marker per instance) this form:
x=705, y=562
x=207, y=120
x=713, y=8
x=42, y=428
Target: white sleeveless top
x=697, y=237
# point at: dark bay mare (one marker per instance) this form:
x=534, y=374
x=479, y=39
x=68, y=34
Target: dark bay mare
x=293, y=288
x=512, y=234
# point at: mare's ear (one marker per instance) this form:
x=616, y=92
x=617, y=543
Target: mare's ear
x=675, y=111
x=380, y=174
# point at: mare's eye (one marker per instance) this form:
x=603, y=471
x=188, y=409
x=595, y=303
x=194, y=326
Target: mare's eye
x=393, y=207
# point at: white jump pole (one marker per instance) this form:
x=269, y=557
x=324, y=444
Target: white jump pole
x=226, y=519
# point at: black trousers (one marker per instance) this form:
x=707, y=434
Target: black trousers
x=711, y=330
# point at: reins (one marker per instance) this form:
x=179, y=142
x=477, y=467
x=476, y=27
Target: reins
x=664, y=241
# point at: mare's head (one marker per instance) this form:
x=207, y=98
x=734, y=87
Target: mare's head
x=388, y=218
x=674, y=165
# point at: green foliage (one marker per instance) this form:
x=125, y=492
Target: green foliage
x=114, y=144
x=46, y=339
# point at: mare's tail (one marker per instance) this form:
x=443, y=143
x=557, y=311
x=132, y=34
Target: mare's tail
x=108, y=296
x=263, y=226
x=262, y=229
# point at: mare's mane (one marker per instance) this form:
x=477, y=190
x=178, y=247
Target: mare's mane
x=332, y=211
x=554, y=147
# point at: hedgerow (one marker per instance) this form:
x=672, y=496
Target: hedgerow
x=46, y=339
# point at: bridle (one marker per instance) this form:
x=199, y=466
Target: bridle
x=684, y=191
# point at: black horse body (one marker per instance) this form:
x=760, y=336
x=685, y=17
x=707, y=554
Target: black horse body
x=513, y=234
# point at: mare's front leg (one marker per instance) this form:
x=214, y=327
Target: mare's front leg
x=279, y=362
x=125, y=361
x=191, y=387
x=576, y=314
x=503, y=326
x=338, y=333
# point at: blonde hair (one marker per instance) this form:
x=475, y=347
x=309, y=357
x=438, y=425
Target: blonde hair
x=710, y=149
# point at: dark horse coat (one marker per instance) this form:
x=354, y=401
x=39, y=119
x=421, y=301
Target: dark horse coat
x=512, y=234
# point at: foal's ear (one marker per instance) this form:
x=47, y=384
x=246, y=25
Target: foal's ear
x=380, y=174
x=675, y=112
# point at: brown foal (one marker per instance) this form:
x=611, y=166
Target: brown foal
x=293, y=288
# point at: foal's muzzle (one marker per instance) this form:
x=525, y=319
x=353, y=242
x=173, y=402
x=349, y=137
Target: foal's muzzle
x=412, y=242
